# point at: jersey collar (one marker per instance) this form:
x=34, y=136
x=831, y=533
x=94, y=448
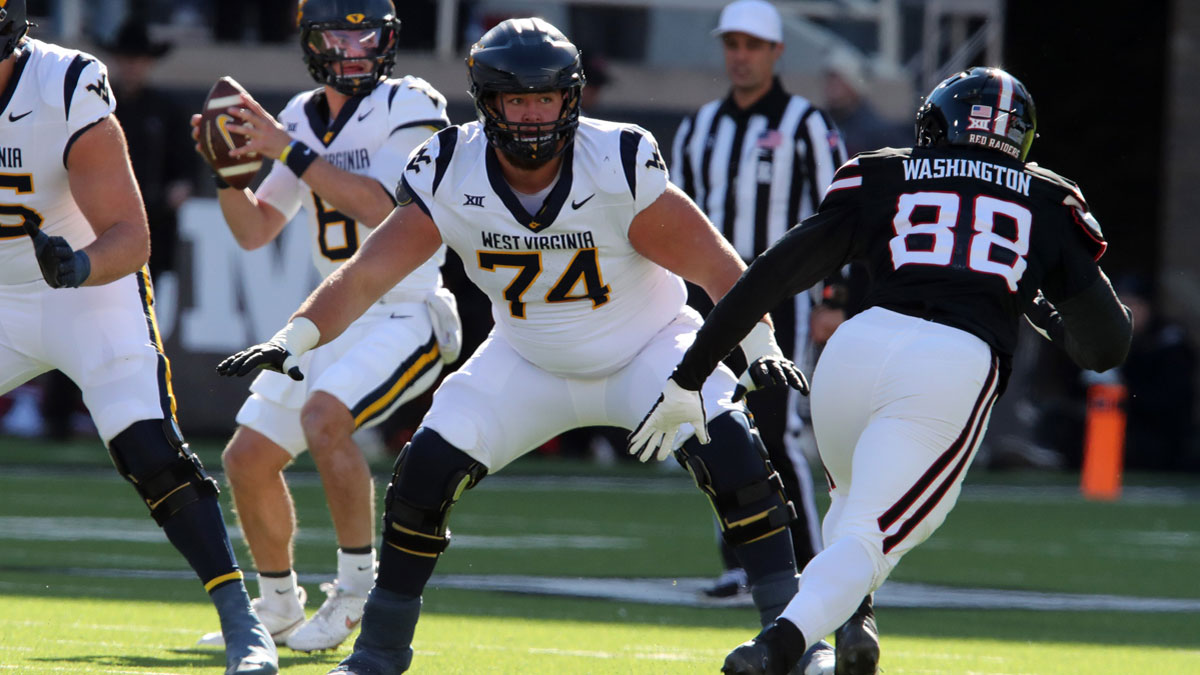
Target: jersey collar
x=545, y=216
x=317, y=110
x=770, y=105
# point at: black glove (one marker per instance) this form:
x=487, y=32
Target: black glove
x=267, y=356
x=62, y=266
x=1044, y=318
x=770, y=372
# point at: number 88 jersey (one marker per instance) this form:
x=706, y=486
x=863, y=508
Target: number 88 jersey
x=965, y=237
x=372, y=135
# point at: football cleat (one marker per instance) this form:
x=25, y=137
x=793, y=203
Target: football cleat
x=776, y=650
x=818, y=660
x=337, y=618
x=279, y=625
x=730, y=583
x=858, y=642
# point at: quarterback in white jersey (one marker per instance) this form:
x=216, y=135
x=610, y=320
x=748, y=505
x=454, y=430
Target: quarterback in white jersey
x=339, y=150
x=75, y=296
x=571, y=228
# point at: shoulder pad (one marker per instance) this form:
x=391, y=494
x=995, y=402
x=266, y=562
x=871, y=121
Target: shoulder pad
x=1072, y=198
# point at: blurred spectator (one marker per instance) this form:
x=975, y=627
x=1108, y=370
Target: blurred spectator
x=157, y=132
x=272, y=20
x=862, y=127
x=1160, y=376
x=619, y=32
x=595, y=68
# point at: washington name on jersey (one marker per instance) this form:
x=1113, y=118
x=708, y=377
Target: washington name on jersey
x=568, y=290
x=53, y=96
x=363, y=139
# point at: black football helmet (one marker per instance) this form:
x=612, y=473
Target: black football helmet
x=329, y=28
x=14, y=24
x=526, y=55
x=984, y=107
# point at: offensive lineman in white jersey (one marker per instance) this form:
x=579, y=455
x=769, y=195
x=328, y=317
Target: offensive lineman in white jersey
x=573, y=231
x=80, y=300
x=336, y=147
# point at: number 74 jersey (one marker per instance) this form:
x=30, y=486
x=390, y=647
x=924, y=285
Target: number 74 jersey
x=568, y=291
x=964, y=237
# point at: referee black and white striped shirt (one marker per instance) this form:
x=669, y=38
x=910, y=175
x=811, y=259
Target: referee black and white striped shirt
x=756, y=172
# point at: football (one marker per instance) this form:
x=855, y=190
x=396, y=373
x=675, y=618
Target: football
x=216, y=141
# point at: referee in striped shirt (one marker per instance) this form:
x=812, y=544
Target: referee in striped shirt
x=757, y=162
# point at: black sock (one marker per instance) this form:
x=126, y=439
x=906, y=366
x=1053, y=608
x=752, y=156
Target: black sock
x=198, y=532
x=403, y=573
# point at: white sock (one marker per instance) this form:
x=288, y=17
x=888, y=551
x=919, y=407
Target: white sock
x=831, y=587
x=279, y=593
x=356, y=571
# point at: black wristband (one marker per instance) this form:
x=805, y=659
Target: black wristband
x=298, y=157
x=220, y=182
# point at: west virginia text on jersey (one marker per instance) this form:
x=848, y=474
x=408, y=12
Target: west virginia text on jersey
x=568, y=290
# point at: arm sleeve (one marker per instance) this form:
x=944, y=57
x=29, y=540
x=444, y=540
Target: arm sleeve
x=282, y=190
x=804, y=255
x=1092, y=326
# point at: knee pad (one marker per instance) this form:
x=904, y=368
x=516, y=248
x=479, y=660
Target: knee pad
x=167, y=475
x=429, y=477
x=734, y=472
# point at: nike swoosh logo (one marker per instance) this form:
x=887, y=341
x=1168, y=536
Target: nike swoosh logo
x=14, y=118
x=365, y=568
x=576, y=205
x=395, y=316
x=364, y=115
x=283, y=592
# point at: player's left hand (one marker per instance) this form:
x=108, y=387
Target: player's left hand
x=267, y=136
x=655, y=436
x=770, y=371
x=267, y=356
x=62, y=266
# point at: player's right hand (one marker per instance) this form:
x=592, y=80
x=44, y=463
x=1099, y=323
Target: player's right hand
x=266, y=356
x=655, y=436
x=770, y=371
x=61, y=265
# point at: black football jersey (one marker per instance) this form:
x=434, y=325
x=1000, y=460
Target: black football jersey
x=963, y=237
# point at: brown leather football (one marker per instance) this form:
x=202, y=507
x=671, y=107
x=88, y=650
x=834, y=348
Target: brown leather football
x=216, y=141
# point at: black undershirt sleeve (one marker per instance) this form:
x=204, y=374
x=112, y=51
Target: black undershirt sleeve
x=804, y=255
x=1092, y=326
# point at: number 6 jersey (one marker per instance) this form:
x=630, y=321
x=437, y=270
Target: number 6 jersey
x=373, y=136
x=568, y=290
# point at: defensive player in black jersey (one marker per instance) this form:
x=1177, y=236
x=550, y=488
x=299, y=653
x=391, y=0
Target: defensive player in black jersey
x=962, y=238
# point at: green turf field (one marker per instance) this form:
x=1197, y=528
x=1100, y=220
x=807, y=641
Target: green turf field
x=89, y=585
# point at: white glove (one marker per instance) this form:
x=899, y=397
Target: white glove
x=655, y=436
x=447, y=326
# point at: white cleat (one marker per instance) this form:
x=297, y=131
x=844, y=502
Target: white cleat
x=279, y=625
x=337, y=618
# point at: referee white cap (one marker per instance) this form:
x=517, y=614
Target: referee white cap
x=753, y=17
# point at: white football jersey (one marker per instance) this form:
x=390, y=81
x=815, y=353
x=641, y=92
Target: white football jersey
x=368, y=137
x=568, y=290
x=53, y=96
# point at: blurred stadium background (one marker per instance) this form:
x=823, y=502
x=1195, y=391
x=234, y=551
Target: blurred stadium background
x=1118, y=112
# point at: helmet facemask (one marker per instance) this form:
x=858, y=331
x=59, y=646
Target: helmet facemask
x=528, y=145
x=351, y=58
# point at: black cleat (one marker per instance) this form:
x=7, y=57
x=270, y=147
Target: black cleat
x=858, y=642
x=774, y=651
